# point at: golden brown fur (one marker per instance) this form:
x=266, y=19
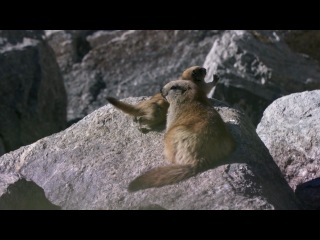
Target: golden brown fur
x=151, y=114
x=197, y=75
x=196, y=137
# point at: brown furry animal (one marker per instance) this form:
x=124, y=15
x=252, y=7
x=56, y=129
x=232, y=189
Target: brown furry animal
x=151, y=114
x=197, y=75
x=196, y=137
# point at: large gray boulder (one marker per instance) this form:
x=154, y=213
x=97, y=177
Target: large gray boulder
x=125, y=63
x=257, y=67
x=32, y=94
x=290, y=128
x=90, y=164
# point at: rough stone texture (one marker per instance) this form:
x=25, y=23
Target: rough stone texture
x=126, y=63
x=5, y=181
x=70, y=46
x=257, y=67
x=32, y=94
x=90, y=164
x=15, y=38
x=290, y=128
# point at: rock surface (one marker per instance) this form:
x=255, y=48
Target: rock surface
x=70, y=46
x=19, y=194
x=290, y=128
x=32, y=94
x=257, y=67
x=126, y=64
x=90, y=164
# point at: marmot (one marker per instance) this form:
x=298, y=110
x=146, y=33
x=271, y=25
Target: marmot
x=196, y=137
x=151, y=114
x=197, y=75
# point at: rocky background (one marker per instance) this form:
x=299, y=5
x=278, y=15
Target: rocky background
x=54, y=78
x=33, y=99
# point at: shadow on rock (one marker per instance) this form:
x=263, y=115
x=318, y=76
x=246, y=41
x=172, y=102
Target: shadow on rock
x=309, y=193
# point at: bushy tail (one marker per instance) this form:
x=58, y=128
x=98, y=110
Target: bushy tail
x=162, y=176
x=125, y=107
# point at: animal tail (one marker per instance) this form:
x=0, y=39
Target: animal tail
x=125, y=107
x=162, y=176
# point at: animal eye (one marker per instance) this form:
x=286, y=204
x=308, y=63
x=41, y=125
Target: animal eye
x=174, y=88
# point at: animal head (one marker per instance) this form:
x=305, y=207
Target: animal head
x=195, y=73
x=181, y=90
